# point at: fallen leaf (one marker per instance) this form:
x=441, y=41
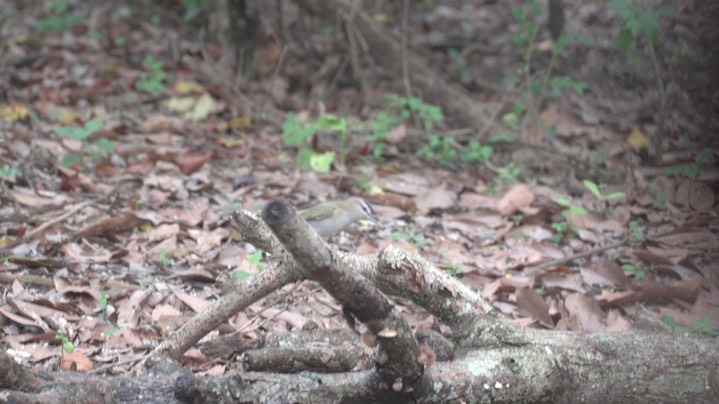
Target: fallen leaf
x=518, y=197
x=435, y=198
x=532, y=305
x=585, y=311
x=604, y=272
x=75, y=361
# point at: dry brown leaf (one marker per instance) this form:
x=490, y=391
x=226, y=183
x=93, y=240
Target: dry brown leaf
x=435, y=198
x=22, y=320
x=28, y=197
x=616, y=322
x=604, y=272
x=531, y=304
x=129, y=310
x=587, y=313
x=471, y=200
x=555, y=281
x=695, y=194
x=197, y=304
x=519, y=197
x=75, y=361
x=407, y=183
x=208, y=240
x=63, y=286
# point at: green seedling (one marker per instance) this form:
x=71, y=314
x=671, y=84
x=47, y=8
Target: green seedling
x=507, y=175
x=415, y=238
x=90, y=149
x=60, y=20
x=145, y=281
x=451, y=268
x=636, y=232
x=112, y=330
x=153, y=81
x=595, y=189
x=165, y=259
x=564, y=228
x=102, y=301
x=701, y=327
x=704, y=161
x=637, y=274
x=295, y=133
x=256, y=259
x=239, y=273
x=535, y=88
x=638, y=21
x=7, y=171
x=65, y=340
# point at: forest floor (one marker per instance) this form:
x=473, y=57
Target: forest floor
x=126, y=142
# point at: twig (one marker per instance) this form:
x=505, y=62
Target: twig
x=552, y=263
x=663, y=105
x=48, y=224
x=405, y=63
x=112, y=365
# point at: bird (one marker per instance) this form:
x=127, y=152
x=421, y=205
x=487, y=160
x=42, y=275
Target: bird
x=329, y=218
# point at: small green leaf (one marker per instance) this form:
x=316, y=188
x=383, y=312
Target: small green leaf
x=93, y=125
x=238, y=273
x=615, y=195
x=562, y=202
x=593, y=188
x=69, y=159
x=106, y=145
x=332, y=123
x=322, y=162
x=304, y=157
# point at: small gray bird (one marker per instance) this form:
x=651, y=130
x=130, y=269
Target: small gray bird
x=330, y=217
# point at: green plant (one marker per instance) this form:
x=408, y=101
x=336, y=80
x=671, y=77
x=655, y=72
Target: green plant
x=112, y=330
x=380, y=127
x=61, y=18
x=256, y=259
x=153, y=81
x=570, y=209
x=65, y=340
x=475, y=152
x=636, y=273
x=564, y=228
x=636, y=232
x=560, y=229
x=91, y=150
x=440, y=149
x=661, y=196
x=364, y=184
x=427, y=114
x=295, y=133
x=164, y=258
x=703, y=161
x=239, y=273
x=508, y=174
x=595, y=189
x=145, y=281
x=193, y=8
x=102, y=301
x=701, y=326
x=536, y=88
x=462, y=71
x=414, y=237
x=637, y=22
x=7, y=171
x=451, y=268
